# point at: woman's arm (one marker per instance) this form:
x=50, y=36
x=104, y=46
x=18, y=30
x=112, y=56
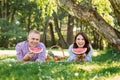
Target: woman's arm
x=71, y=54
x=89, y=55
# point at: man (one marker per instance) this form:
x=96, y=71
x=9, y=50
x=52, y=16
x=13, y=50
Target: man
x=33, y=41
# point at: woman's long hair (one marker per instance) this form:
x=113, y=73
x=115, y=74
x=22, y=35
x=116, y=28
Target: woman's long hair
x=87, y=44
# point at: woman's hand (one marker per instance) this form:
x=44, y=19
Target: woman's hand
x=82, y=57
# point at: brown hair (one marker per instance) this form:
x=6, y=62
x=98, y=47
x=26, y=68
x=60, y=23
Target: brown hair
x=87, y=44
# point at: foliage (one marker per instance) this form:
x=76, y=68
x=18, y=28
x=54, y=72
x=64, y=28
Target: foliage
x=27, y=14
x=104, y=9
x=46, y=6
x=10, y=33
x=105, y=65
x=33, y=14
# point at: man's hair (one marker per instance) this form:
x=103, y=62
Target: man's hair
x=34, y=31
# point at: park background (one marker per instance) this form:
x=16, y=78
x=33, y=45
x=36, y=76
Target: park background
x=58, y=22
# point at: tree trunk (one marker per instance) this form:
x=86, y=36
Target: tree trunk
x=101, y=43
x=116, y=7
x=29, y=21
x=89, y=15
x=95, y=44
x=52, y=34
x=4, y=12
x=70, y=29
x=45, y=31
x=13, y=13
x=62, y=42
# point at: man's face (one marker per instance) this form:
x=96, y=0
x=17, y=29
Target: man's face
x=33, y=39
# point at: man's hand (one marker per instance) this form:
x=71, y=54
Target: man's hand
x=28, y=56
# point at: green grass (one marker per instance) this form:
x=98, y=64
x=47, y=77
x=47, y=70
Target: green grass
x=105, y=65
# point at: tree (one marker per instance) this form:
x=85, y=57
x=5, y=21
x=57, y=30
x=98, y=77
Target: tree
x=89, y=15
x=70, y=29
x=116, y=7
x=62, y=42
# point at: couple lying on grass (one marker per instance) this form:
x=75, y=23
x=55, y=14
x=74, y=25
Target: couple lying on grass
x=34, y=50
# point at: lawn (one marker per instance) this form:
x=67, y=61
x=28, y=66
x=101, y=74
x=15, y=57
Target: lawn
x=105, y=66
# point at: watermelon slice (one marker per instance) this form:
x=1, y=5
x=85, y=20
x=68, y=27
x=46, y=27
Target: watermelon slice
x=79, y=50
x=35, y=50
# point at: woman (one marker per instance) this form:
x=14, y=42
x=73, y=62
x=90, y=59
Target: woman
x=80, y=41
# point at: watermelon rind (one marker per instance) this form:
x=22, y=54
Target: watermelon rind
x=34, y=52
x=81, y=52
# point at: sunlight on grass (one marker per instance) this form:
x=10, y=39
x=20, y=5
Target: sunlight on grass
x=105, y=66
x=88, y=67
x=96, y=53
x=5, y=56
x=117, y=77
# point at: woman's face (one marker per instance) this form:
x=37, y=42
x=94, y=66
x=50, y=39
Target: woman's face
x=80, y=41
x=33, y=39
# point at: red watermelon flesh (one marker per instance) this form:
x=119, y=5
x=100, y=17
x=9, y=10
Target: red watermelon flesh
x=79, y=50
x=35, y=50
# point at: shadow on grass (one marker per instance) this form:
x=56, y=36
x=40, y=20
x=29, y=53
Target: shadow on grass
x=107, y=56
x=109, y=71
x=106, y=72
